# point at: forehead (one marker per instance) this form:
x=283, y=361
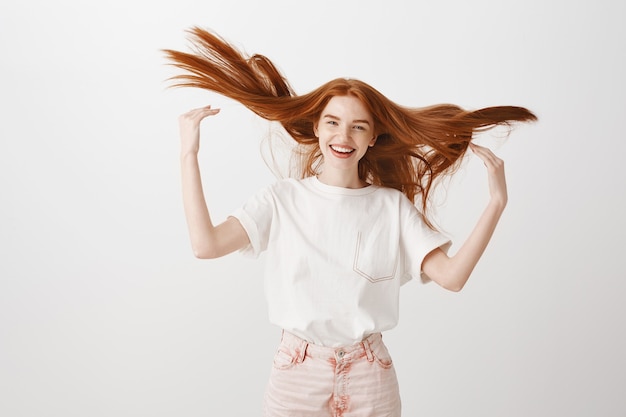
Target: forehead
x=347, y=106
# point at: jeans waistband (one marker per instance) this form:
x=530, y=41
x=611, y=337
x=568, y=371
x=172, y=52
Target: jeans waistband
x=358, y=350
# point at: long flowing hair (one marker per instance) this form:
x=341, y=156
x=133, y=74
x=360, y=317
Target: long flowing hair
x=414, y=146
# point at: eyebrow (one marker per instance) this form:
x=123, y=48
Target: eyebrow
x=330, y=116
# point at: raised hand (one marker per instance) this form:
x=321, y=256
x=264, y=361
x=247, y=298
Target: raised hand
x=189, y=127
x=453, y=272
x=495, y=170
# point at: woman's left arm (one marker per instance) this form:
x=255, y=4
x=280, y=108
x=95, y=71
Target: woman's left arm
x=452, y=272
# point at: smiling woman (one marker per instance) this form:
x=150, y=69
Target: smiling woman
x=345, y=131
x=350, y=223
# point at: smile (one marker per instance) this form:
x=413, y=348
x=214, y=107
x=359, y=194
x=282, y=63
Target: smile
x=341, y=149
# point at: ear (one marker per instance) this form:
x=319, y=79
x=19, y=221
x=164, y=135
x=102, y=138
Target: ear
x=315, y=132
x=373, y=141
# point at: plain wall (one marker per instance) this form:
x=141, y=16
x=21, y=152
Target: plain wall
x=105, y=312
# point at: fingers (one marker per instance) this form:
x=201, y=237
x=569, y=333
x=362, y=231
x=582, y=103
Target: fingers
x=197, y=115
x=206, y=111
x=495, y=170
x=490, y=160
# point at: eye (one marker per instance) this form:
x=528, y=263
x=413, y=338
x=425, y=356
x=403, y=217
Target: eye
x=360, y=127
x=332, y=123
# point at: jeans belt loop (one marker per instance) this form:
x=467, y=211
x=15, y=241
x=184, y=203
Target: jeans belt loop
x=368, y=350
x=302, y=353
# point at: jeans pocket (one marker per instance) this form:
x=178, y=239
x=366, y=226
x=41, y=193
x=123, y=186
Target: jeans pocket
x=284, y=358
x=375, y=257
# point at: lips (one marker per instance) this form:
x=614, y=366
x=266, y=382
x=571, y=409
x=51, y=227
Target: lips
x=341, y=149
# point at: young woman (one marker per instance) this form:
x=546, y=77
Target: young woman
x=342, y=238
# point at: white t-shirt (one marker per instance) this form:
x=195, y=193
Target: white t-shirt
x=336, y=257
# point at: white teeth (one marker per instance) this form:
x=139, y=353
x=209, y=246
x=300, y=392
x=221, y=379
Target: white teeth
x=341, y=149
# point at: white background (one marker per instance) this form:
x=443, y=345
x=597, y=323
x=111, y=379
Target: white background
x=105, y=312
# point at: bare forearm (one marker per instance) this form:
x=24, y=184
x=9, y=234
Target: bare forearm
x=465, y=260
x=452, y=272
x=196, y=211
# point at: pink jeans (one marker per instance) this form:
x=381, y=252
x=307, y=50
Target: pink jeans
x=308, y=380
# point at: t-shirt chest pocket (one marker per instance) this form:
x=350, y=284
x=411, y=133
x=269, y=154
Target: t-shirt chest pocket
x=375, y=256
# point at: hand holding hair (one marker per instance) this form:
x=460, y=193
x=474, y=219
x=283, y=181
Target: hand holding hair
x=495, y=170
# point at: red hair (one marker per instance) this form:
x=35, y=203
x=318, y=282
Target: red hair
x=414, y=146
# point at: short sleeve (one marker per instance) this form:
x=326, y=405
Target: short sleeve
x=256, y=217
x=417, y=241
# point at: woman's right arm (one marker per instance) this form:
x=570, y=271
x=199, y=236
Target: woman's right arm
x=207, y=241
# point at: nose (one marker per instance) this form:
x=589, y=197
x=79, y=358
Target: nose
x=345, y=132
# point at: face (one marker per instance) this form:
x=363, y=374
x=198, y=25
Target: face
x=345, y=131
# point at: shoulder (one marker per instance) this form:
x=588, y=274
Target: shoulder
x=389, y=192
x=397, y=201
x=392, y=194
